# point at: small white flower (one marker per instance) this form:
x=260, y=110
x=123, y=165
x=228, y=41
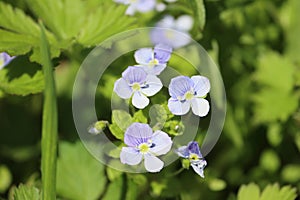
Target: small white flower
x=177, y=37
x=188, y=92
x=5, y=59
x=138, y=5
x=143, y=143
x=192, y=152
x=136, y=83
x=153, y=61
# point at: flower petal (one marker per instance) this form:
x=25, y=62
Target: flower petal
x=130, y=156
x=167, y=22
x=153, y=70
x=184, y=23
x=5, y=59
x=145, y=5
x=122, y=89
x=134, y=75
x=179, y=86
x=193, y=147
x=122, y=1
x=139, y=100
x=130, y=10
x=162, y=143
x=154, y=85
x=198, y=167
x=200, y=106
x=144, y=56
x=137, y=133
x=152, y=163
x=182, y=151
x=178, y=108
x=162, y=53
x=201, y=85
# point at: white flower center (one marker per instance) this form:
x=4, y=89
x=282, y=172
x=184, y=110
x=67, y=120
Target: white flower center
x=193, y=156
x=153, y=62
x=144, y=147
x=189, y=95
x=170, y=34
x=136, y=86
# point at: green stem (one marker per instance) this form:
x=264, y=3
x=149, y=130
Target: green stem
x=176, y=172
x=49, y=129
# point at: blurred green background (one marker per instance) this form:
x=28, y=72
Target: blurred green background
x=256, y=45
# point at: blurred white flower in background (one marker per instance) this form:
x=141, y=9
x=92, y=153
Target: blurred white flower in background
x=160, y=7
x=5, y=59
x=138, y=5
x=177, y=37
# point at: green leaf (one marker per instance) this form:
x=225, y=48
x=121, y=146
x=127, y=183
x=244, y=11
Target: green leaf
x=95, y=20
x=291, y=173
x=115, y=190
x=139, y=117
x=276, y=99
x=79, y=175
x=24, y=192
x=288, y=193
x=120, y=122
x=19, y=34
x=5, y=178
x=21, y=77
x=158, y=115
x=59, y=16
x=113, y=174
x=174, y=127
x=249, y=192
x=252, y=192
x=116, y=131
x=275, y=71
x=270, y=161
x=270, y=192
x=217, y=184
x=106, y=20
x=274, y=134
x=199, y=12
x=133, y=189
x=290, y=21
x=272, y=105
x=122, y=118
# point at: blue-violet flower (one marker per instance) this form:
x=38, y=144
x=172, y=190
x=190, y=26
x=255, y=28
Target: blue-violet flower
x=188, y=92
x=192, y=152
x=153, y=61
x=143, y=143
x=177, y=37
x=138, y=5
x=5, y=59
x=136, y=83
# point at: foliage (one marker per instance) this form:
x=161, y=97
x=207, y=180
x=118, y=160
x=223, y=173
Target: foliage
x=24, y=192
x=252, y=192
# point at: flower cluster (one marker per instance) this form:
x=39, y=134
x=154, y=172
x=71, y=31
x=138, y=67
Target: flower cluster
x=141, y=81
